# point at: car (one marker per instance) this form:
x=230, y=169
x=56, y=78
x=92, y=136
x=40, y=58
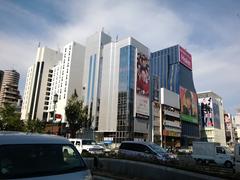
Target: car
x=39, y=156
x=87, y=145
x=145, y=150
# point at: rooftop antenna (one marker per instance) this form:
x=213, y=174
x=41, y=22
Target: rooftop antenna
x=117, y=38
x=39, y=44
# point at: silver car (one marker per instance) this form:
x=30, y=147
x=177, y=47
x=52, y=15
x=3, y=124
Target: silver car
x=144, y=150
x=38, y=157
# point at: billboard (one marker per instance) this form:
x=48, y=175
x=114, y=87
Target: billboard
x=189, y=104
x=142, y=86
x=228, y=122
x=206, y=107
x=185, y=58
x=216, y=113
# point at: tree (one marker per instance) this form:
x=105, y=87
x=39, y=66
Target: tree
x=10, y=119
x=76, y=114
x=35, y=125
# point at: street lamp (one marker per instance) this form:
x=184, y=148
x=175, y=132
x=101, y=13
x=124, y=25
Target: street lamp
x=55, y=100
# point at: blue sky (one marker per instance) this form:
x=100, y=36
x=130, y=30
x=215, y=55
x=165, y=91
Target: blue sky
x=209, y=29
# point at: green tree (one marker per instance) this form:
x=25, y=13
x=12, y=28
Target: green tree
x=10, y=119
x=76, y=114
x=35, y=125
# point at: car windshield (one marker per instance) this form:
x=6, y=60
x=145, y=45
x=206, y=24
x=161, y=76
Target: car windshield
x=228, y=150
x=89, y=142
x=31, y=160
x=157, y=148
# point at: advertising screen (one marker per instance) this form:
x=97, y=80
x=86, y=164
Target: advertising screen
x=228, y=122
x=189, y=104
x=185, y=58
x=216, y=114
x=206, y=107
x=142, y=86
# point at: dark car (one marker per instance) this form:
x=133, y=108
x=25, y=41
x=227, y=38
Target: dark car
x=145, y=151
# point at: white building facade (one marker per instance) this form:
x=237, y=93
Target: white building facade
x=67, y=77
x=93, y=73
x=123, y=112
x=38, y=83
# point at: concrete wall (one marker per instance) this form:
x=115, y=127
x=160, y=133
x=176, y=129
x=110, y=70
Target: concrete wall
x=139, y=170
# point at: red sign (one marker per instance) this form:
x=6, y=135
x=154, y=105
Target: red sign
x=58, y=116
x=185, y=58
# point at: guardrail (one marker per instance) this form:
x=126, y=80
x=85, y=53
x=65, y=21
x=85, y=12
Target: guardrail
x=141, y=170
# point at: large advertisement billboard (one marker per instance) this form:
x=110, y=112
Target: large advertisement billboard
x=206, y=107
x=189, y=104
x=142, y=86
x=185, y=58
x=216, y=113
x=210, y=113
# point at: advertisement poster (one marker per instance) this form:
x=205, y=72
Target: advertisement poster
x=206, y=107
x=185, y=58
x=216, y=114
x=228, y=122
x=189, y=105
x=142, y=86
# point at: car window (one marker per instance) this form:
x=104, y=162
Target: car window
x=135, y=147
x=32, y=160
x=157, y=148
x=88, y=142
x=220, y=150
x=78, y=143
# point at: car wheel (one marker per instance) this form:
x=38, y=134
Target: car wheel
x=228, y=164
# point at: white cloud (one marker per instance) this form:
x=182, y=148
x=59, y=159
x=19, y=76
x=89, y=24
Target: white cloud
x=151, y=23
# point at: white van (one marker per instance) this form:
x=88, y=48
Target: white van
x=29, y=156
x=206, y=152
x=237, y=158
x=87, y=145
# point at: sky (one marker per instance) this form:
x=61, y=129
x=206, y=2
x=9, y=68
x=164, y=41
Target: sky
x=208, y=29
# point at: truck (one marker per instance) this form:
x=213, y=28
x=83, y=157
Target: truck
x=87, y=145
x=212, y=152
x=237, y=158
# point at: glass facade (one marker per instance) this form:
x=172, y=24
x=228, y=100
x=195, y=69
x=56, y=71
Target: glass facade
x=165, y=64
x=125, y=119
x=91, y=78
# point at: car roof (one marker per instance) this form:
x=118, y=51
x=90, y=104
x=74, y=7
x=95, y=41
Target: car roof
x=9, y=137
x=138, y=142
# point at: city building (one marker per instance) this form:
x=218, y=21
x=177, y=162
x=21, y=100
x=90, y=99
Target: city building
x=92, y=76
x=66, y=77
x=236, y=125
x=38, y=84
x=9, y=93
x=1, y=78
x=124, y=95
x=211, y=117
x=173, y=68
x=229, y=129
x=166, y=119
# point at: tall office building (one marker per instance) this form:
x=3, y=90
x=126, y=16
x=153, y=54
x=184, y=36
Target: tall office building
x=9, y=93
x=38, y=84
x=173, y=68
x=124, y=97
x=66, y=77
x=212, y=117
x=93, y=73
x=1, y=78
